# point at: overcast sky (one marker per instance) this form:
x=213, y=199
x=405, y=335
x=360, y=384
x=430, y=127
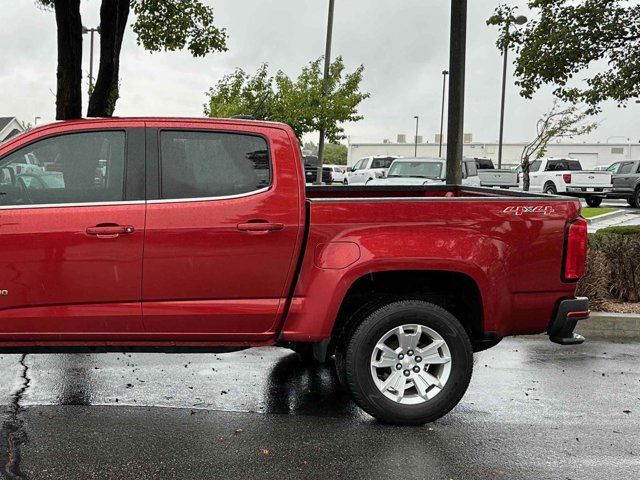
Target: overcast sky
x=403, y=45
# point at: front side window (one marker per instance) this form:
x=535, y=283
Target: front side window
x=614, y=168
x=212, y=164
x=360, y=164
x=74, y=168
x=535, y=166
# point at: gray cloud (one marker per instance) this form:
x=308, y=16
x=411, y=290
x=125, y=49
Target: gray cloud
x=402, y=43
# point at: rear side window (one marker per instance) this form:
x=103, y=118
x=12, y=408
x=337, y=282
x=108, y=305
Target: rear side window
x=625, y=168
x=212, y=164
x=83, y=167
x=614, y=168
x=573, y=165
x=472, y=169
x=484, y=164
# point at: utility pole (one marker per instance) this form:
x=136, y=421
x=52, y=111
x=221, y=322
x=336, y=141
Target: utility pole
x=92, y=31
x=416, y=137
x=457, y=59
x=444, y=93
x=325, y=88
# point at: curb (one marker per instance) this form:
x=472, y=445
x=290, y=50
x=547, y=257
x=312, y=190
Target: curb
x=609, y=325
x=606, y=216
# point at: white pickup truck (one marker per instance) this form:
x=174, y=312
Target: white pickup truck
x=425, y=171
x=490, y=177
x=565, y=176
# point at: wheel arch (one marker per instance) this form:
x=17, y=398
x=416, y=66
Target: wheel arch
x=457, y=292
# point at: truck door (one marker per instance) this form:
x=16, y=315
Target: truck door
x=222, y=231
x=71, y=232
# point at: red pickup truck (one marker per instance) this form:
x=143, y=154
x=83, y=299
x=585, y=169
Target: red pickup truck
x=196, y=234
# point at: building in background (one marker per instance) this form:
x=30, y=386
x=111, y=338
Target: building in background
x=589, y=154
x=9, y=127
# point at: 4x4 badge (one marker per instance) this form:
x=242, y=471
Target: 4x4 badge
x=546, y=210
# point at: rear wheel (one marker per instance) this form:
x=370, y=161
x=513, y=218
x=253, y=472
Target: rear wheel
x=631, y=202
x=636, y=198
x=593, y=202
x=550, y=189
x=408, y=363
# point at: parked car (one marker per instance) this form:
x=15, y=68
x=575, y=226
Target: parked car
x=169, y=254
x=626, y=182
x=491, y=177
x=426, y=171
x=311, y=171
x=565, y=176
x=369, y=168
x=338, y=173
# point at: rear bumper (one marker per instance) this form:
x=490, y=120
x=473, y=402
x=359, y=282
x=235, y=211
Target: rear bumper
x=582, y=192
x=569, y=313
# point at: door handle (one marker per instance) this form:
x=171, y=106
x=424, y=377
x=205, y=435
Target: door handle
x=260, y=227
x=110, y=231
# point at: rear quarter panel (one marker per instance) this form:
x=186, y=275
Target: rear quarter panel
x=514, y=255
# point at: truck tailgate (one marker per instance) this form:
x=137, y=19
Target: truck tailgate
x=590, y=179
x=498, y=178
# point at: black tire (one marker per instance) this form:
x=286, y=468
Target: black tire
x=357, y=358
x=594, y=202
x=550, y=189
x=631, y=202
x=345, y=182
x=636, y=199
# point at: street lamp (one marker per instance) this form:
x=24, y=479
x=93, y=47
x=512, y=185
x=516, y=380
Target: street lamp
x=416, y=138
x=520, y=20
x=325, y=88
x=86, y=30
x=444, y=92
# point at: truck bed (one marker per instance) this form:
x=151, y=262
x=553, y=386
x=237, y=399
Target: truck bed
x=421, y=191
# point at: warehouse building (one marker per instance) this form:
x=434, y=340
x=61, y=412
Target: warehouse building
x=589, y=154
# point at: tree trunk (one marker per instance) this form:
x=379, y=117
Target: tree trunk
x=69, y=72
x=526, y=179
x=113, y=22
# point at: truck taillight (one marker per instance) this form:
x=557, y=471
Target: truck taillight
x=566, y=177
x=575, y=252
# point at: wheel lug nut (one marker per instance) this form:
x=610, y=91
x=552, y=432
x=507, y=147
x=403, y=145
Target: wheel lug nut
x=399, y=366
x=410, y=352
x=401, y=356
x=407, y=373
x=416, y=369
x=418, y=359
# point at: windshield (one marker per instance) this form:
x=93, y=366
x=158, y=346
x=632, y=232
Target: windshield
x=382, y=162
x=416, y=169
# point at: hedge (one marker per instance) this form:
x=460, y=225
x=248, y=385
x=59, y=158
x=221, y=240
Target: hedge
x=613, y=266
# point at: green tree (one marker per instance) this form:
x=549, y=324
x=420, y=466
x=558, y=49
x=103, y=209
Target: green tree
x=159, y=25
x=560, y=122
x=566, y=39
x=297, y=102
x=335, y=154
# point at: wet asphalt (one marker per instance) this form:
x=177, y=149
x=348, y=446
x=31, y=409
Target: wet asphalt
x=533, y=410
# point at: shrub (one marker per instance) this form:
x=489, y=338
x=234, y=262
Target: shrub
x=613, y=266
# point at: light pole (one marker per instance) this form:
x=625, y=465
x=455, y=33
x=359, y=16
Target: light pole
x=325, y=88
x=520, y=20
x=91, y=31
x=457, y=62
x=416, y=137
x=444, y=92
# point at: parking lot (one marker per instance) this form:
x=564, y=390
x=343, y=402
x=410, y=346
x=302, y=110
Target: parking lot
x=533, y=410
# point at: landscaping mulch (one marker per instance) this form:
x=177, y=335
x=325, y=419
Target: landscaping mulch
x=618, y=307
